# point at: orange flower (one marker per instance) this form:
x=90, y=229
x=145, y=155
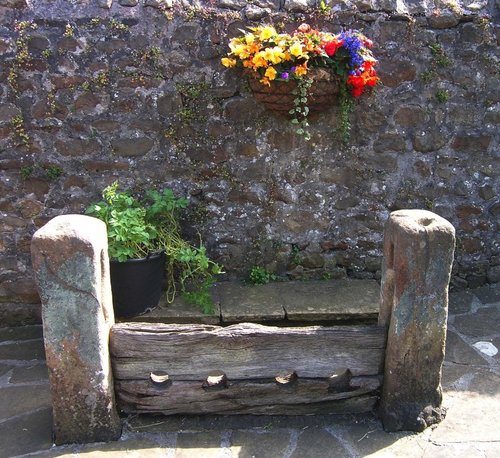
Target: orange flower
x=301, y=70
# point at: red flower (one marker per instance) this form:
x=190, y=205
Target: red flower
x=357, y=91
x=332, y=46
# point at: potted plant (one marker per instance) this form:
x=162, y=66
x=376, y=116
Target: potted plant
x=144, y=242
x=317, y=67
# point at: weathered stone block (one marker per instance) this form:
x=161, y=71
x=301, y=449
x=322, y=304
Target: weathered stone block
x=70, y=260
x=418, y=255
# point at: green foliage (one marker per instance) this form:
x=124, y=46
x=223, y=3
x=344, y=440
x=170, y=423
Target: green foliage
x=301, y=110
x=191, y=90
x=22, y=58
x=442, y=95
x=138, y=227
x=324, y=8
x=129, y=234
x=346, y=105
x=98, y=81
x=26, y=171
x=17, y=123
x=439, y=56
x=118, y=27
x=202, y=297
x=260, y=276
x=53, y=172
x=428, y=76
x=295, y=257
x=69, y=31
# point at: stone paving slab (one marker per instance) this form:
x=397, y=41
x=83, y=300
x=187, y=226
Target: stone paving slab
x=180, y=312
x=459, y=352
x=330, y=300
x=489, y=294
x=26, y=374
x=249, y=303
x=462, y=302
x=299, y=301
x=483, y=323
x=313, y=442
x=17, y=399
x=26, y=433
x=253, y=444
x=21, y=333
x=32, y=349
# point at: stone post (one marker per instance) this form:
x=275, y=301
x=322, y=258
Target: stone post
x=69, y=256
x=418, y=256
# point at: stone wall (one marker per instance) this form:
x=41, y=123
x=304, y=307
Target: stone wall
x=95, y=91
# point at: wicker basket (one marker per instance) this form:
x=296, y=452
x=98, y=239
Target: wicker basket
x=279, y=97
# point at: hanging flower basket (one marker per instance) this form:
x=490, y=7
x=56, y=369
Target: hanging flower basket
x=307, y=70
x=280, y=96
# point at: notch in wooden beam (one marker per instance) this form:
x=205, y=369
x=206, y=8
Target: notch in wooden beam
x=286, y=379
x=340, y=382
x=160, y=379
x=215, y=381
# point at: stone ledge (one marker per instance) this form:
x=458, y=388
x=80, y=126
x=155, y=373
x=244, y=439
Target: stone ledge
x=288, y=302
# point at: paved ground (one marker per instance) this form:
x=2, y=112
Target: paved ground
x=471, y=382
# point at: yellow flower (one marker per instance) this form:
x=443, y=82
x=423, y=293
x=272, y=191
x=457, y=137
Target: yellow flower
x=274, y=55
x=249, y=38
x=227, y=62
x=259, y=60
x=267, y=32
x=270, y=73
x=239, y=50
x=296, y=50
x=265, y=81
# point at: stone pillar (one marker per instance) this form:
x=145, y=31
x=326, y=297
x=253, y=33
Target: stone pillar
x=418, y=256
x=69, y=256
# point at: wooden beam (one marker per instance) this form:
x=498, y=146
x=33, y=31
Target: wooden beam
x=303, y=396
x=244, y=351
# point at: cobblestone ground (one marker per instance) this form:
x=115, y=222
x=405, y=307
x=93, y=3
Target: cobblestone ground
x=471, y=382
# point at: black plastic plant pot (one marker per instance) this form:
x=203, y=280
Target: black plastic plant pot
x=137, y=284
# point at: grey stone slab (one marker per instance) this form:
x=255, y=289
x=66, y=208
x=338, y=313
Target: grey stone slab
x=486, y=383
x=132, y=447
x=259, y=444
x=484, y=322
x=459, y=352
x=299, y=301
x=35, y=373
x=240, y=302
x=455, y=377
x=21, y=333
x=329, y=300
x=196, y=445
x=462, y=302
x=368, y=437
x=318, y=443
x=4, y=368
x=180, y=312
x=471, y=417
x=28, y=350
x=17, y=400
x=172, y=423
x=489, y=294
x=27, y=433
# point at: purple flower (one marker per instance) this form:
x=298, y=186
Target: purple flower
x=284, y=75
x=293, y=69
